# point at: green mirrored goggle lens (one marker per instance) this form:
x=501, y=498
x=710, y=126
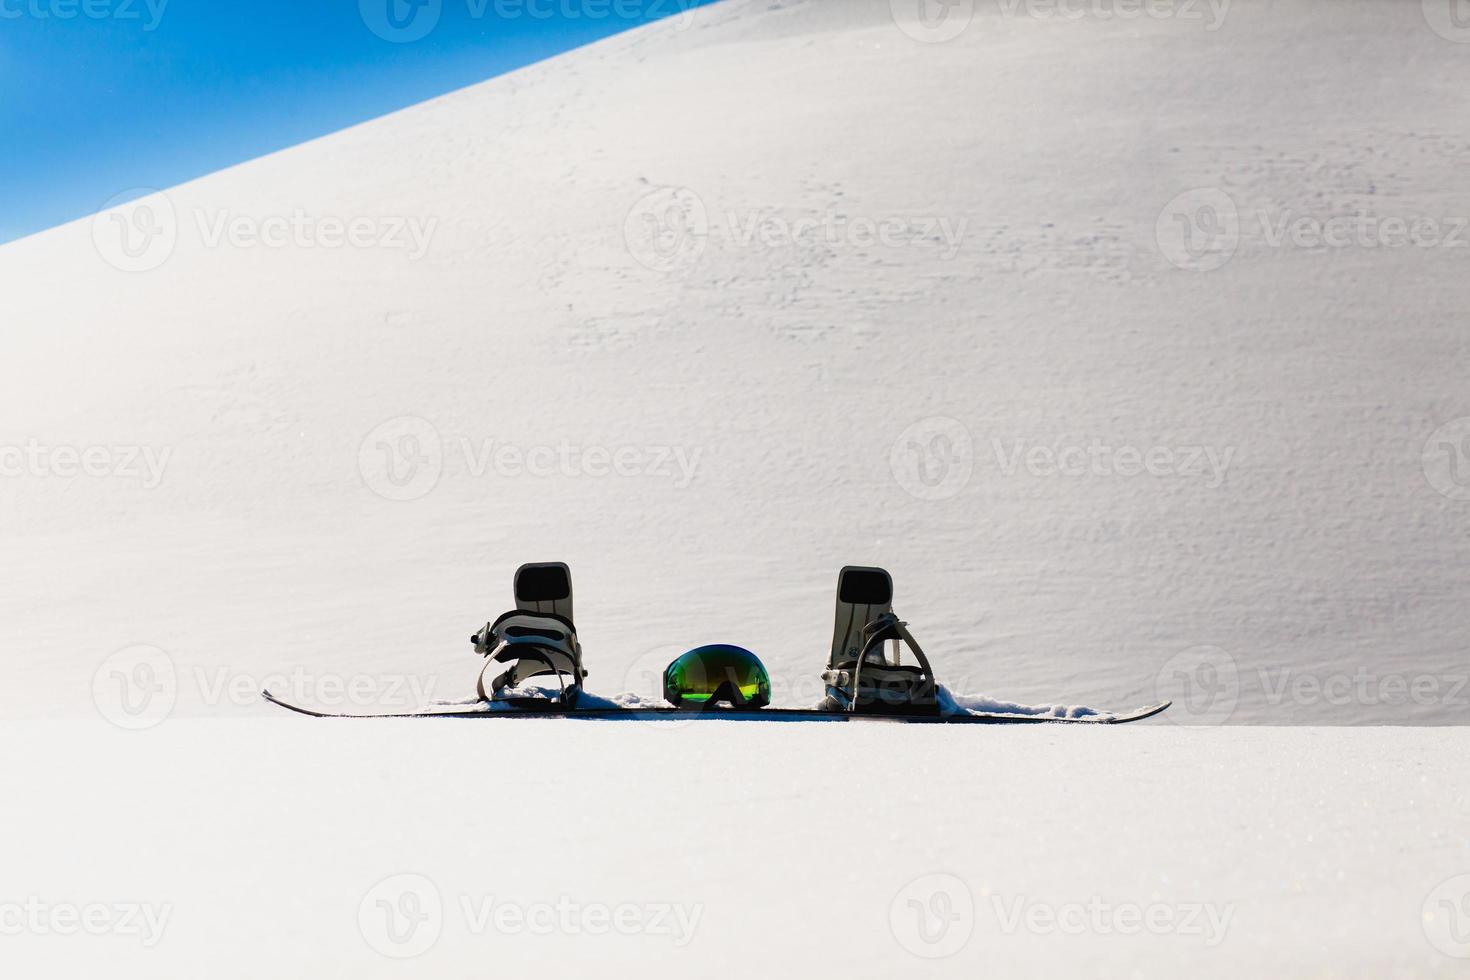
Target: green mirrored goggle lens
x=750, y=693
x=716, y=672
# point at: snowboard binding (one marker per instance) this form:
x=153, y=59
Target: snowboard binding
x=537, y=639
x=860, y=679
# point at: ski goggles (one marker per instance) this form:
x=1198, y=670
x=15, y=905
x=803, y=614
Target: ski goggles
x=719, y=672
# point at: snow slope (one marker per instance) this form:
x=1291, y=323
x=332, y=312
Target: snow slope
x=709, y=310
x=779, y=264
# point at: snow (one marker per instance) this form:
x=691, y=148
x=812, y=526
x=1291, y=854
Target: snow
x=934, y=310
x=952, y=703
x=260, y=840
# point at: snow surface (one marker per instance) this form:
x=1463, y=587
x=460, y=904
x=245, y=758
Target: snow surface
x=1320, y=851
x=305, y=495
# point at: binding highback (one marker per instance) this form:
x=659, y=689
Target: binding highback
x=863, y=595
x=545, y=587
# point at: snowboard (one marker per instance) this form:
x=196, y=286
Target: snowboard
x=731, y=714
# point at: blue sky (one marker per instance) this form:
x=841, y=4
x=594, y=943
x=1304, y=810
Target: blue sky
x=100, y=96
